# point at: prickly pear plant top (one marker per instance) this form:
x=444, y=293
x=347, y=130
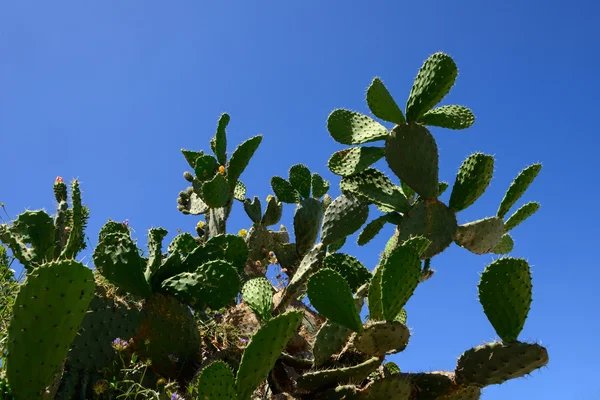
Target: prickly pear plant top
x=203, y=317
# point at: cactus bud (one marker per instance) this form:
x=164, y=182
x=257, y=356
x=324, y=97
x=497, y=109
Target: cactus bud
x=188, y=176
x=60, y=189
x=221, y=170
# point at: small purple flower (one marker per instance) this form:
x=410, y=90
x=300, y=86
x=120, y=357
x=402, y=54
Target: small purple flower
x=126, y=222
x=175, y=396
x=218, y=317
x=119, y=344
x=173, y=358
x=244, y=340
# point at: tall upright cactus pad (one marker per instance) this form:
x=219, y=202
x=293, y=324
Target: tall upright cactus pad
x=240, y=159
x=517, y=188
x=372, y=185
x=371, y=230
x=118, y=260
x=79, y=216
x=273, y=212
x=412, y=154
x=434, y=80
x=253, y=209
x=307, y=223
x=505, y=294
x=382, y=104
x=300, y=178
x=330, y=340
x=521, y=215
x=322, y=379
x=349, y=127
x=218, y=143
x=353, y=271
x=216, y=382
x=340, y=307
x=344, y=216
x=48, y=311
x=155, y=246
x=381, y=338
x=263, y=350
x=482, y=236
x=495, y=363
x=450, y=117
x=169, y=337
x=353, y=160
x=434, y=221
x=393, y=387
x=474, y=176
x=399, y=279
x=257, y=293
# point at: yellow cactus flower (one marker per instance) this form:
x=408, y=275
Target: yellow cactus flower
x=100, y=386
x=269, y=197
x=242, y=232
x=200, y=225
x=221, y=170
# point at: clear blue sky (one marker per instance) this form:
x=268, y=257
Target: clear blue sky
x=110, y=91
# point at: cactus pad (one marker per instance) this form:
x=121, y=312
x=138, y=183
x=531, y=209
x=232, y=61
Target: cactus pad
x=353, y=271
x=319, y=185
x=371, y=230
x=205, y=168
x=349, y=127
x=239, y=192
x=372, y=185
x=218, y=143
x=434, y=80
x=216, y=382
x=393, y=387
x=37, y=229
x=505, y=245
x=263, y=351
x=240, y=158
x=495, y=363
x=399, y=279
x=473, y=178
x=354, y=160
x=182, y=244
x=382, y=104
x=330, y=294
x=315, y=380
x=450, y=117
x=480, y=237
x=330, y=340
x=505, y=294
x=307, y=223
x=521, y=215
x=412, y=154
x=216, y=192
x=191, y=156
x=253, y=209
x=381, y=338
x=257, y=293
x=273, y=212
x=300, y=179
x=517, y=188
x=344, y=216
x=284, y=190
x=234, y=248
x=47, y=313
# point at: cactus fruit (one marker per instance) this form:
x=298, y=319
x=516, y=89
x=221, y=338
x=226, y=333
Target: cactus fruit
x=330, y=340
x=321, y=379
x=505, y=294
x=517, y=188
x=307, y=223
x=339, y=308
x=349, y=127
x=450, y=117
x=480, y=237
x=521, y=215
x=353, y=160
x=373, y=186
x=399, y=279
x=300, y=178
x=495, y=363
x=381, y=338
x=48, y=311
x=382, y=104
x=434, y=80
x=353, y=271
x=473, y=178
x=412, y=154
x=257, y=293
x=344, y=216
x=319, y=185
x=263, y=350
x=216, y=382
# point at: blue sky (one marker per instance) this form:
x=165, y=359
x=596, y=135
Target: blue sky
x=109, y=92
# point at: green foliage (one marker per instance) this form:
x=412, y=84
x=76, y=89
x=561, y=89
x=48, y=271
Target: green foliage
x=473, y=178
x=258, y=294
x=349, y=127
x=382, y=104
x=344, y=216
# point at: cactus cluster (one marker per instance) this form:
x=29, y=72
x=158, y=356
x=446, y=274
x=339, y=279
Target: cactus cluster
x=201, y=312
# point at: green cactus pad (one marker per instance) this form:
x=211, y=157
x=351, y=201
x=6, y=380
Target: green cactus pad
x=218, y=143
x=505, y=245
x=79, y=216
x=191, y=203
x=235, y=250
x=307, y=223
x=442, y=186
x=309, y=264
x=300, y=179
x=344, y=216
x=505, y=294
x=352, y=270
x=284, y=190
x=353, y=160
x=521, y=215
x=382, y=104
x=257, y=293
x=391, y=367
x=336, y=246
x=342, y=392
x=349, y=127
x=191, y=156
x=216, y=382
x=216, y=192
x=371, y=230
x=450, y=117
x=330, y=340
x=393, y=387
x=253, y=209
x=517, y=188
x=374, y=295
x=375, y=187
x=47, y=313
x=155, y=239
x=495, y=363
x=315, y=380
x=381, y=338
x=412, y=154
x=240, y=159
x=432, y=220
x=169, y=337
x=401, y=317
x=239, y=193
x=430, y=385
x=263, y=351
x=418, y=243
x=399, y=279
x=206, y=167
x=463, y=393
x=473, y=178
x=112, y=227
x=480, y=237
x=273, y=212
x=37, y=229
x=434, y=80
x=118, y=260
x=182, y=244
x=319, y=185
x=330, y=294
x=214, y=284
